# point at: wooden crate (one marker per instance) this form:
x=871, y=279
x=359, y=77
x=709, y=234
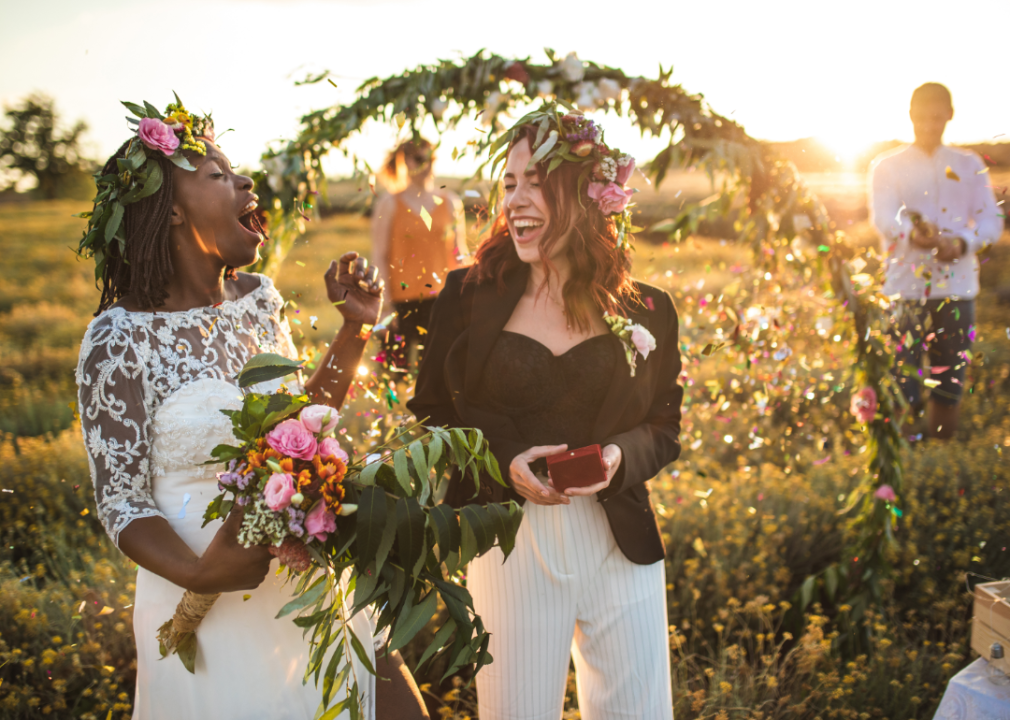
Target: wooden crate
x=991, y=622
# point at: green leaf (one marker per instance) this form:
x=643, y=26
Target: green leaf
x=541, y=153
x=414, y=621
x=807, y=592
x=135, y=109
x=359, y=650
x=329, y=677
x=112, y=226
x=180, y=160
x=831, y=581
x=264, y=367
x=152, y=111
x=153, y=182
x=388, y=535
x=371, y=522
x=186, y=650
x=502, y=524
x=417, y=457
x=368, y=473
x=437, y=643
x=480, y=521
x=306, y=599
x=402, y=472
x=444, y=522
x=410, y=545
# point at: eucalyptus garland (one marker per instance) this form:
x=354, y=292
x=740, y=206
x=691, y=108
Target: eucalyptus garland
x=772, y=208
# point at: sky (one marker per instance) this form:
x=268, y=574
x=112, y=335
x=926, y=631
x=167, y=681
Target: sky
x=785, y=69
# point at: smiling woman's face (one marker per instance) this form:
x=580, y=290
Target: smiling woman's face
x=213, y=207
x=526, y=210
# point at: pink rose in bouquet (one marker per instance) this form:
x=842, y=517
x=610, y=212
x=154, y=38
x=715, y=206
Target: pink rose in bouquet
x=624, y=171
x=278, y=491
x=864, y=405
x=885, y=493
x=158, y=136
x=330, y=447
x=320, y=522
x=313, y=416
x=610, y=197
x=293, y=439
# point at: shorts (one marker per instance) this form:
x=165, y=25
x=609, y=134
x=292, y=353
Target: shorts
x=943, y=328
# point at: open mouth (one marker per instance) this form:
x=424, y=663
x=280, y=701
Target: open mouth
x=253, y=220
x=526, y=229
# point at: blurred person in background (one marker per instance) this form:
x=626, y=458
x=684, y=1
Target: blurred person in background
x=418, y=236
x=935, y=210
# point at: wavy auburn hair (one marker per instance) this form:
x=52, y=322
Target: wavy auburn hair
x=600, y=279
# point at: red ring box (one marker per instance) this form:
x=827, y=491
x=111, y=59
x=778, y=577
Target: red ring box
x=576, y=468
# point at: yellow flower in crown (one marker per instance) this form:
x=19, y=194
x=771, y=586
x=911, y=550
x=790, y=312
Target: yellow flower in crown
x=179, y=120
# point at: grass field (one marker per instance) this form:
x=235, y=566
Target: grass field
x=748, y=512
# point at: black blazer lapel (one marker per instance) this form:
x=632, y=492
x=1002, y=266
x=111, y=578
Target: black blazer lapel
x=490, y=314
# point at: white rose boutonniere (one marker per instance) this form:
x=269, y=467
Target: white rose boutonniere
x=634, y=337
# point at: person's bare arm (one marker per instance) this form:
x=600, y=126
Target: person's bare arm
x=396, y=694
x=356, y=290
x=225, y=566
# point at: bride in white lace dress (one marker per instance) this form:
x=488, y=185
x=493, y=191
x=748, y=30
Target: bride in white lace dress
x=175, y=325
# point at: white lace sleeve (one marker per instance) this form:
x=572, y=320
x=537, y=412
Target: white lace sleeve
x=115, y=419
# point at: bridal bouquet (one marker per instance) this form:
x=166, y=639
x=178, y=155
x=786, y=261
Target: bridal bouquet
x=375, y=520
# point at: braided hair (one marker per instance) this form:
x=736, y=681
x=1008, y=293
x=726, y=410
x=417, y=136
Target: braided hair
x=147, y=265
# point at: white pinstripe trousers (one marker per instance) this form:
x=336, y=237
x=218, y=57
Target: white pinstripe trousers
x=567, y=590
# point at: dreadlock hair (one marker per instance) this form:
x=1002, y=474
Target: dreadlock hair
x=147, y=265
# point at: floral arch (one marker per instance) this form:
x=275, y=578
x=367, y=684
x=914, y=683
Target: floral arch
x=773, y=212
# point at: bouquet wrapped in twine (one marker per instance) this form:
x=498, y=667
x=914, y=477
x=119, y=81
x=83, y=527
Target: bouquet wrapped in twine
x=301, y=495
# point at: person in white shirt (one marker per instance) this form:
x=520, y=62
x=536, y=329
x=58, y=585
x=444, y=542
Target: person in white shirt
x=934, y=208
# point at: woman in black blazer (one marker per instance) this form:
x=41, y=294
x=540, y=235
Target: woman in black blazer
x=518, y=346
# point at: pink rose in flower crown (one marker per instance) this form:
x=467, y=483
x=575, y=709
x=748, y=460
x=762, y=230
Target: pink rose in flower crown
x=293, y=439
x=320, y=522
x=157, y=135
x=278, y=491
x=329, y=447
x=885, y=493
x=313, y=416
x=864, y=405
x=610, y=197
x=624, y=171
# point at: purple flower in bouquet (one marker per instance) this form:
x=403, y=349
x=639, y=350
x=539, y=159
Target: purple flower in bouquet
x=293, y=439
x=296, y=521
x=231, y=476
x=312, y=418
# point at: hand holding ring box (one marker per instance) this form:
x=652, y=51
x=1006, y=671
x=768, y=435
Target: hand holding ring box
x=576, y=468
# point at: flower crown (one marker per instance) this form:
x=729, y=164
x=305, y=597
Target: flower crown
x=572, y=137
x=156, y=134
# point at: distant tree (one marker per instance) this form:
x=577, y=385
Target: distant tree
x=33, y=144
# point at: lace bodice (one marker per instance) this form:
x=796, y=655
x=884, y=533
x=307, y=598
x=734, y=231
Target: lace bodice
x=132, y=362
x=552, y=399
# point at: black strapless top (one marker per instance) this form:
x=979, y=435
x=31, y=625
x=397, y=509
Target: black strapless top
x=551, y=399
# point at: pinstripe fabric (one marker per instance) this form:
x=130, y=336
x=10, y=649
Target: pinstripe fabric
x=567, y=590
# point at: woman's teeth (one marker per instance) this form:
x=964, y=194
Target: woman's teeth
x=250, y=207
x=522, y=226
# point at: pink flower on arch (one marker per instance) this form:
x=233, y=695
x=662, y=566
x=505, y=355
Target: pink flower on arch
x=885, y=493
x=864, y=404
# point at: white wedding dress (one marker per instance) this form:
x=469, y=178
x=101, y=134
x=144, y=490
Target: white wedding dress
x=151, y=387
